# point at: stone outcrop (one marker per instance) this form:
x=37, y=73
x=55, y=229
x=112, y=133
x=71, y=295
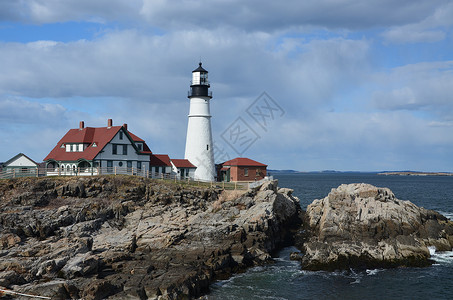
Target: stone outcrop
x=128, y=237
x=363, y=226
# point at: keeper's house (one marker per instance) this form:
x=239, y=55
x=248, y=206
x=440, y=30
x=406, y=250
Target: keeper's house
x=241, y=169
x=89, y=150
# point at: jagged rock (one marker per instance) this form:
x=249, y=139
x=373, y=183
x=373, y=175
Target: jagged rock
x=80, y=265
x=55, y=289
x=9, y=240
x=99, y=289
x=127, y=237
x=360, y=225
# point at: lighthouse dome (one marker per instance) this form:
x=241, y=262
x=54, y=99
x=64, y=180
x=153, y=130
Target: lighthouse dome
x=200, y=69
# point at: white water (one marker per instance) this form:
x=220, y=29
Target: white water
x=441, y=258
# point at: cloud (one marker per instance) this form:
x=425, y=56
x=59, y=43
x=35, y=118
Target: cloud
x=269, y=16
x=429, y=29
x=133, y=65
x=366, y=141
x=251, y=15
x=51, y=11
x=421, y=86
x=17, y=110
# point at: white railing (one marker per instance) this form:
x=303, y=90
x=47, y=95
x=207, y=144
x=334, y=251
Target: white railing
x=92, y=171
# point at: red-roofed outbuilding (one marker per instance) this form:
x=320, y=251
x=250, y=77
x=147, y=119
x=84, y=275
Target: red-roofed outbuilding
x=241, y=169
x=183, y=168
x=159, y=164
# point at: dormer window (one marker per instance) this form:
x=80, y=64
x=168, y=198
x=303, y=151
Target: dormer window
x=94, y=145
x=139, y=146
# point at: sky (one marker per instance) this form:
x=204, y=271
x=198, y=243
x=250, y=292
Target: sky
x=312, y=85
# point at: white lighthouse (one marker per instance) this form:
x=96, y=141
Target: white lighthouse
x=199, y=136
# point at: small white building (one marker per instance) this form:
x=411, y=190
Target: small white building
x=183, y=169
x=20, y=165
x=160, y=165
x=89, y=150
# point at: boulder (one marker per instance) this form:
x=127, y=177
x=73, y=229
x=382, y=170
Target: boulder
x=363, y=226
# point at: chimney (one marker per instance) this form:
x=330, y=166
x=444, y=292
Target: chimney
x=109, y=123
x=125, y=126
x=81, y=125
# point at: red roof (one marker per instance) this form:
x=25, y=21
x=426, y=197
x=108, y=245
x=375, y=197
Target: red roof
x=243, y=161
x=100, y=136
x=158, y=160
x=135, y=138
x=182, y=163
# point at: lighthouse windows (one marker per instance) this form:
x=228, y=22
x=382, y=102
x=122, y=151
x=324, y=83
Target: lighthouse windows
x=207, y=147
x=203, y=78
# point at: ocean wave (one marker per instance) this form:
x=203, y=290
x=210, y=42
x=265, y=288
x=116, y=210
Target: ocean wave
x=441, y=257
x=372, y=272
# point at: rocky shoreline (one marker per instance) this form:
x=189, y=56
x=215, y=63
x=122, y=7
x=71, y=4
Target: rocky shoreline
x=128, y=237
x=124, y=237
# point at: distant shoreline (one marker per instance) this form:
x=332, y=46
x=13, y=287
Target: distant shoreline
x=417, y=173
x=398, y=173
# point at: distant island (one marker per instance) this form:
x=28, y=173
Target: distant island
x=415, y=173
x=283, y=171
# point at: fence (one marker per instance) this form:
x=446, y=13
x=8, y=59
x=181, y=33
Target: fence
x=42, y=172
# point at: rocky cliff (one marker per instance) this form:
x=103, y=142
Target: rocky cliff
x=127, y=237
x=363, y=226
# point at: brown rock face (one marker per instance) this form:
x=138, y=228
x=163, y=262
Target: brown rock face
x=360, y=225
x=132, y=238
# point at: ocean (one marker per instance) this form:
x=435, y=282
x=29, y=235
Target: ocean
x=284, y=279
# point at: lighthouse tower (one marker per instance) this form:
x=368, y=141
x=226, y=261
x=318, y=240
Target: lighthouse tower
x=199, y=136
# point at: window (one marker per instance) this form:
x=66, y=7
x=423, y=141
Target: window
x=139, y=146
x=71, y=149
x=114, y=149
x=207, y=147
x=246, y=172
x=76, y=148
x=120, y=164
x=129, y=164
x=257, y=172
x=121, y=135
x=139, y=165
x=109, y=163
x=124, y=149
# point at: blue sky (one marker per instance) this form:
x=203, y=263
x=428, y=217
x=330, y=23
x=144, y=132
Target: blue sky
x=360, y=85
